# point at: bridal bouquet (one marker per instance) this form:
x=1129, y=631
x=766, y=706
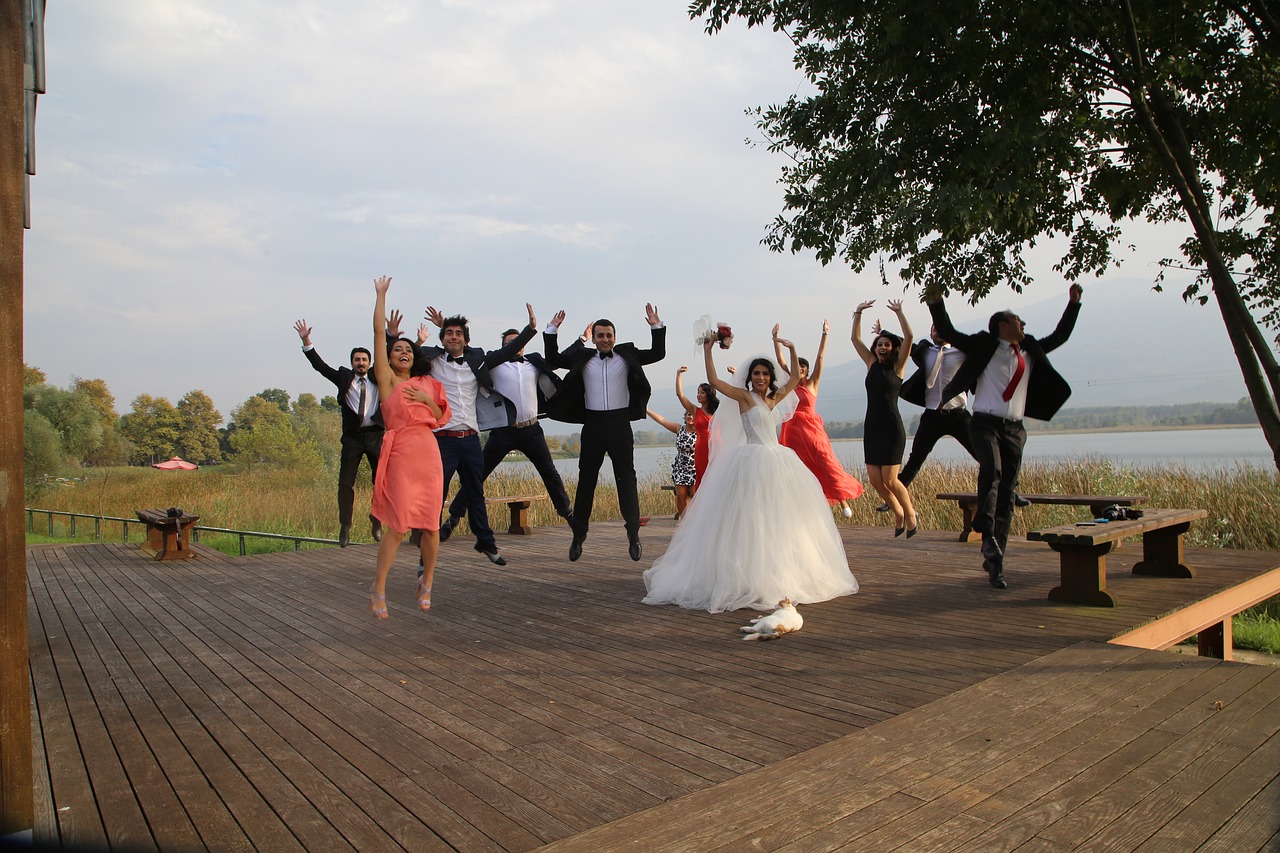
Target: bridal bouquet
x=705, y=330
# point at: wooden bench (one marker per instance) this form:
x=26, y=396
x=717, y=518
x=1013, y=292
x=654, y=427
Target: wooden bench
x=968, y=502
x=519, y=506
x=168, y=536
x=1083, y=549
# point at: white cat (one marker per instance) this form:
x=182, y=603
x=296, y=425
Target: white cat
x=785, y=620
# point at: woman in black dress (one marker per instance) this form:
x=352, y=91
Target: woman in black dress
x=883, y=435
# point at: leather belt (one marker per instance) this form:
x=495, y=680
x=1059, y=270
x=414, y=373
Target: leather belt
x=527, y=423
x=997, y=418
x=455, y=433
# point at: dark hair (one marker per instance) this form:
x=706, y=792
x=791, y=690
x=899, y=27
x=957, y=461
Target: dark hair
x=993, y=325
x=602, y=322
x=355, y=350
x=804, y=362
x=508, y=333
x=421, y=364
x=773, y=374
x=713, y=400
x=892, y=338
x=459, y=322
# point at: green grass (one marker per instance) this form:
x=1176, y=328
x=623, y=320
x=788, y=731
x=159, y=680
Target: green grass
x=1243, y=506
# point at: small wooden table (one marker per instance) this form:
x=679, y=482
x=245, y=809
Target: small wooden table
x=519, y=506
x=1083, y=550
x=968, y=502
x=168, y=536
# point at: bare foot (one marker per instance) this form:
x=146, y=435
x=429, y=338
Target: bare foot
x=424, y=596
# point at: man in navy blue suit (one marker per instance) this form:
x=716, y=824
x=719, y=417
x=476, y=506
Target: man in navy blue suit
x=465, y=373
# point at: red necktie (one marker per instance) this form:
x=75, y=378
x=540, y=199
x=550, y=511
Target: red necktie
x=1017, y=373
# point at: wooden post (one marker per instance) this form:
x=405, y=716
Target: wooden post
x=17, y=805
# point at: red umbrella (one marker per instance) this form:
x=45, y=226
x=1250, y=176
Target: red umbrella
x=176, y=464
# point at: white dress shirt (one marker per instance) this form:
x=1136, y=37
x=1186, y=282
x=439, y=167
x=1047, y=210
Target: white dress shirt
x=518, y=382
x=952, y=358
x=989, y=396
x=460, y=389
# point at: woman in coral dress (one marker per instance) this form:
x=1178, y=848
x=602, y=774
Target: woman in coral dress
x=410, y=485
x=805, y=434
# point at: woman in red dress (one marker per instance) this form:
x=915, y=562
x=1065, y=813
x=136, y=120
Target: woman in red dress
x=702, y=413
x=805, y=434
x=410, y=485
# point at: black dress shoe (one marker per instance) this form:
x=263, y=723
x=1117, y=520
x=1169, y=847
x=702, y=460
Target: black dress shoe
x=446, y=528
x=634, y=549
x=997, y=579
x=344, y=535
x=375, y=529
x=1019, y=500
x=575, y=548
x=882, y=508
x=494, y=556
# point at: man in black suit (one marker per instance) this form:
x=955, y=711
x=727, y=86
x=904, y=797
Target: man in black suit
x=605, y=390
x=524, y=382
x=361, y=426
x=465, y=372
x=1011, y=376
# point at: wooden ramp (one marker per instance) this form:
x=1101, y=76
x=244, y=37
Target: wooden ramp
x=252, y=704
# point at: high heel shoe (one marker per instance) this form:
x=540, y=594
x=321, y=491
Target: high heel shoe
x=424, y=596
x=901, y=528
x=378, y=604
x=915, y=528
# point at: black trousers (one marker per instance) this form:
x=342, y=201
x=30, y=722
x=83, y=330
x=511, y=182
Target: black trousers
x=462, y=455
x=532, y=442
x=362, y=443
x=997, y=446
x=607, y=433
x=934, y=424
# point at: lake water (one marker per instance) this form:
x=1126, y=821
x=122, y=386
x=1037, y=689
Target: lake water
x=1197, y=449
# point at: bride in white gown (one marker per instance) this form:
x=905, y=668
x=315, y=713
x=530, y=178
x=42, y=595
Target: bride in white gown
x=759, y=529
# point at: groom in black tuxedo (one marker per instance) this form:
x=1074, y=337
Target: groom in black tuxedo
x=361, y=426
x=605, y=390
x=1011, y=376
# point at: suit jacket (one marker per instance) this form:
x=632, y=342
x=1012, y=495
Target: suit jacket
x=1046, y=389
x=570, y=403
x=913, y=390
x=342, y=378
x=491, y=407
x=548, y=384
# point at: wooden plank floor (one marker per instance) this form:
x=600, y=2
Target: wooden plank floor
x=252, y=704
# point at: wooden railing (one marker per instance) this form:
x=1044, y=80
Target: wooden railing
x=125, y=522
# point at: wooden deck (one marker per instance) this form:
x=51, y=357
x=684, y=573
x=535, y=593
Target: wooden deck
x=252, y=704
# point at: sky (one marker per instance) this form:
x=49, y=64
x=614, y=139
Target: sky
x=210, y=171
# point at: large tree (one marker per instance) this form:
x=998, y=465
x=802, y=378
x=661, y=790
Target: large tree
x=950, y=137
x=198, y=421
x=152, y=426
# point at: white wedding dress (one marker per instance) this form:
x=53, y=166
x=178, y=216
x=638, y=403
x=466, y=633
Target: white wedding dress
x=758, y=530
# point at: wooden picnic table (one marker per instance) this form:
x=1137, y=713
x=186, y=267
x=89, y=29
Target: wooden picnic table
x=1083, y=548
x=968, y=502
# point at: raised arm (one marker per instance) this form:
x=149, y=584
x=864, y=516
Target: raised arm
x=794, y=379
x=671, y=425
x=1067, y=323
x=732, y=391
x=778, y=355
x=815, y=373
x=381, y=365
x=904, y=351
x=684, y=401
x=859, y=347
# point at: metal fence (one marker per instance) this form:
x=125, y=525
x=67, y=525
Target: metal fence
x=125, y=522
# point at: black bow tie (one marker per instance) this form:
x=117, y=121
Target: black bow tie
x=456, y=359
x=608, y=354
x=519, y=358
